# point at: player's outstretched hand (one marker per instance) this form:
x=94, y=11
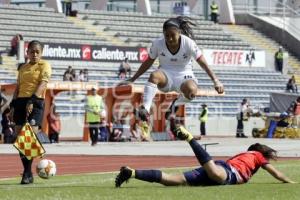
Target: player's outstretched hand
x=219, y=86
x=125, y=82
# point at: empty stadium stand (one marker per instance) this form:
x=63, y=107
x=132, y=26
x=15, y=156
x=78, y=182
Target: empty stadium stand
x=133, y=29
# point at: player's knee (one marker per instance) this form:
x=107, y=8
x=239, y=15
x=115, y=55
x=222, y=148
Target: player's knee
x=189, y=90
x=190, y=93
x=155, y=77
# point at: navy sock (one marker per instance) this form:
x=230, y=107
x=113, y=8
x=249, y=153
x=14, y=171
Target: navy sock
x=202, y=156
x=148, y=175
x=27, y=164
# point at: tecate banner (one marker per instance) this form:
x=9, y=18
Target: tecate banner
x=53, y=51
x=235, y=58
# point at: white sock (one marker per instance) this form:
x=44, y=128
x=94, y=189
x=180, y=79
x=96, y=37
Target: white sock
x=182, y=100
x=149, y=93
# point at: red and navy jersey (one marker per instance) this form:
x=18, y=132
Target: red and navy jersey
x=247, y=163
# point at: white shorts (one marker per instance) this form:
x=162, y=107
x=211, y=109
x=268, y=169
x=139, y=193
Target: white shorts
x=175, y=79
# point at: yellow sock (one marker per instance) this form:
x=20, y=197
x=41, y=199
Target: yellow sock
x=189, y=138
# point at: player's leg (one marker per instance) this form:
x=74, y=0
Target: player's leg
x=215, y=172
x=173, y=179
x=156, y=176
x=156, y=80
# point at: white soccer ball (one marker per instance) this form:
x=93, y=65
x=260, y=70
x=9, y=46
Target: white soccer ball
x=46, y=168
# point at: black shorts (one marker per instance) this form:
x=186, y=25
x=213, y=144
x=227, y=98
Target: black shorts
x=35, y=118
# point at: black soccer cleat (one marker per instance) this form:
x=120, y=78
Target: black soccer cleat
x=142, y=114
x=172, y=109
x=26, y=179
x=124, y=175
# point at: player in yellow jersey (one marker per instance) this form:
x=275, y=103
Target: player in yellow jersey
x=28, y=100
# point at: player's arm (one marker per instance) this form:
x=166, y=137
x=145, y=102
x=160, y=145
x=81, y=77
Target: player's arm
x=143, y=68
x=218, y=85
x=277, y=174
x=44, y=79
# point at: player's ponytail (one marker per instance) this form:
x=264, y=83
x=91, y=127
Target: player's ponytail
x=266, y=151
x=182, y=23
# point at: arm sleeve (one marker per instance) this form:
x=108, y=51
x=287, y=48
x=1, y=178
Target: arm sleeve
x=45, y=72
x=195, y=51
x=153, y=51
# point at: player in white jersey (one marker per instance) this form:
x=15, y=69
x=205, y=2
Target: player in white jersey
x=175, y=51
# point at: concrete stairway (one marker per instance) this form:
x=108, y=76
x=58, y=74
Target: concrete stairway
x=259, y=40
x=99, y=33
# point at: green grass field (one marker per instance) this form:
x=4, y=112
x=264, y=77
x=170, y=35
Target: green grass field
x=101, y=186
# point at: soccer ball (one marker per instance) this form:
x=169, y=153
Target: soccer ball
x=46, y=168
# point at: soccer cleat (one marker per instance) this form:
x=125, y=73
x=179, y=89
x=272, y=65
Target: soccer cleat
x=183, y=134
x=26, y=179
x=124, y=175
x=172, y=109
x=142, y=114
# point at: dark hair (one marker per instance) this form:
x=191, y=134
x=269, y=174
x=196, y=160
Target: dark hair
x=182, y=23
x=34, y=43
x=266, y=151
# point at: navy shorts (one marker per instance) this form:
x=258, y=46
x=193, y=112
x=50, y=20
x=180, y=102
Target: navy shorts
x=199, y=177
x=35, y=118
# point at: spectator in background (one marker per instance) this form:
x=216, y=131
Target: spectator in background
x=68, y=5
x=7, y=127
x=68, y=75
x=279, y=60
x=86, y=75
x=42, y=136
x=214, y=12
x=294, y=110
x=125, y=69
x=242, y=115
x=14, y=44
x=74, y=77
x=117, y=131
x=291, y=85
x=294, y=107
x=81, y=77
x=94, y=107
x=136, y=132
x=54, y=124
x=104, y=128
x=203, y=119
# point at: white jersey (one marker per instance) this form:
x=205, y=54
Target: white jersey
x=181, y=60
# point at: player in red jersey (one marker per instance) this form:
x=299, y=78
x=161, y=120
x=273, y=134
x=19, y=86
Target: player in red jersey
x=236, y=170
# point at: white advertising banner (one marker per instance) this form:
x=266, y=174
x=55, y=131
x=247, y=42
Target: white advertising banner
x=235, y=58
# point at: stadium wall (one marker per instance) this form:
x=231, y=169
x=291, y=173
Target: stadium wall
x=223, y=126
